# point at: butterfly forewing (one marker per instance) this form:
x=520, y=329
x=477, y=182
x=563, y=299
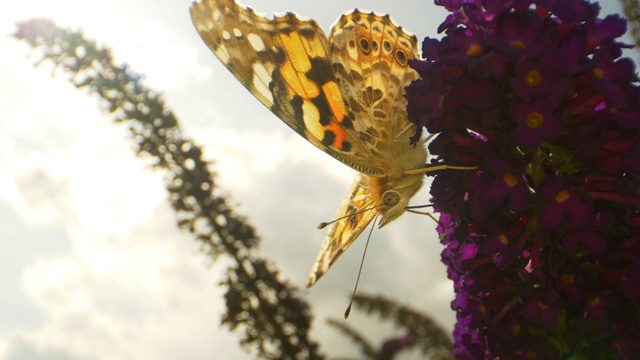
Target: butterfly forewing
x=284, y=62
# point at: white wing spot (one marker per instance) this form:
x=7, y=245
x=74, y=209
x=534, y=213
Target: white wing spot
x=216, y=15
x=261, y=80
x=353, y=53
x=226, y=35
x=222, y=54
x=237, y=33
x=311, y=117
x=206, y=25
x=256, y=42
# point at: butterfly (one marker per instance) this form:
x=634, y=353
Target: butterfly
x=343, y=93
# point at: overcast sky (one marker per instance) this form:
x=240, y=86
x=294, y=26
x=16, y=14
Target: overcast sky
x=93, y=265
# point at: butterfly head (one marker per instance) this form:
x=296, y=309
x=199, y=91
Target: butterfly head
x=395, y=197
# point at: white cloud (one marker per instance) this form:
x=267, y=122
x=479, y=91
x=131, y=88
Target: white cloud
x=147, y=294
x=122, y=282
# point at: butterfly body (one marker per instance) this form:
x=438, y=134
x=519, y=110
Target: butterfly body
x=343, y=93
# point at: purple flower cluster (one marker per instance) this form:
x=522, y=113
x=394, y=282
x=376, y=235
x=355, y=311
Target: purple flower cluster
x=542, y=242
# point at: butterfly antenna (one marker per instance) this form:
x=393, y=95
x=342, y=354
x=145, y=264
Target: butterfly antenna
x=366, y=246
x=419, y=206
x=323, y=225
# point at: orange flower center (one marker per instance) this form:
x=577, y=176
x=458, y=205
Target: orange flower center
x=542, y=305
x=518, y=45
x=598, y=73
x=532, y=78
x=474, y=50
x=535, y=120
x=567, y=278
x=510, y=179
x=562, y=196
x=516, y=329
x=504, y=239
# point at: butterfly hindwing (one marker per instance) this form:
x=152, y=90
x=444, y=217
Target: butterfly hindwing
x=370, y=55
x=355, y=214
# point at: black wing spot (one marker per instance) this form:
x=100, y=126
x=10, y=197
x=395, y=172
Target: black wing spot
x=370, y=95
x=379, y=114
x=286, y=30
x=401, y=58
x=406, y=44
x=374, y=45
x=328, y=138
x=321, y=104
x=387, y=46
x=296, y=104
x=364, y=45
x=321, y=71
x=308, y=33
x=279, y=56
x=347, y=123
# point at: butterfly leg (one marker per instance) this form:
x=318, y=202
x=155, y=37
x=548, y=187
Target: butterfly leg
x=424, y=213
